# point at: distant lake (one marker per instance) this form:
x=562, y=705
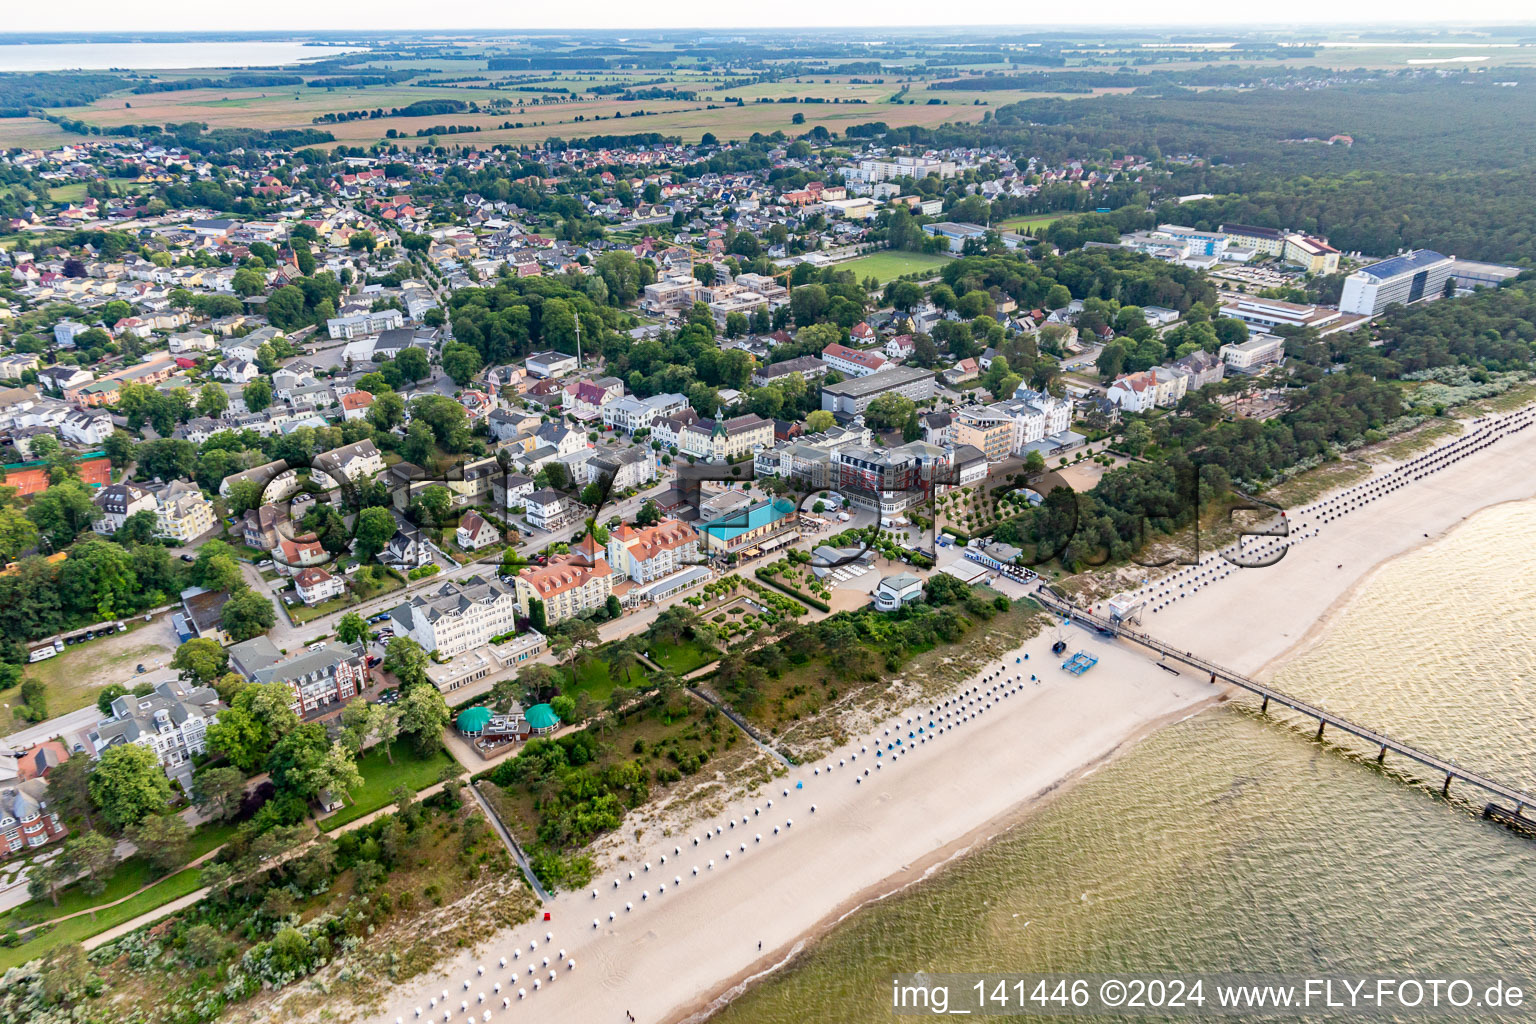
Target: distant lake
x=153, y=56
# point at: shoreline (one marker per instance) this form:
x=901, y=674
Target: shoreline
x=1261, y=611
x=927, y=867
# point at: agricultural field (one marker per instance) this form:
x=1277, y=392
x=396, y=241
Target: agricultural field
x=573, y=115
x=886, y=266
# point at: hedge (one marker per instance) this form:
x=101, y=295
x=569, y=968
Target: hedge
x=798, y=595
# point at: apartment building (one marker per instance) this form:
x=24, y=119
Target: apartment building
x=359, y=324
x=988, y=429
x=852, y=362
x=890, y=481
x=1255, y=352
x=644, y=554
x=458, y=615
x=172, y=720
x=568, y=588
x=630, y=414
x=849, y=398
x=182, y=513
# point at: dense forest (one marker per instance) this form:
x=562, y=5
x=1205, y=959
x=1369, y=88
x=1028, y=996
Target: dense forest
x=1481, y=215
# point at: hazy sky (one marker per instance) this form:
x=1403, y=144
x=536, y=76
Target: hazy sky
x=193, y=15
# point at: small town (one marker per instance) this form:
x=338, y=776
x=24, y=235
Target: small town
x=396, y=527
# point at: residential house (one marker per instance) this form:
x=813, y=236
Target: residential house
x=117, y=502
x=475, y=532
x=332, y=675
x=548, y=510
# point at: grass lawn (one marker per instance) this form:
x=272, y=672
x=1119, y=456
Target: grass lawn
x=380, y=779
x=1029, y=222
x=680, y=659
x=74, y=930
x=883, y=266
x=73, y=680
x=131, y=875
x=593, y=676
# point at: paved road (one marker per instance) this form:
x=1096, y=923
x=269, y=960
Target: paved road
x=66, y=725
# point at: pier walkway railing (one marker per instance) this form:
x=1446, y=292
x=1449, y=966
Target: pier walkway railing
x=1519, y=798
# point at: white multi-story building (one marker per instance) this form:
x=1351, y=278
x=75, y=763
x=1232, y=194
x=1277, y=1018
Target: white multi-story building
x=117, y=502
x=853, y=362
x=644, y=554
x=1405, y=279
x=357, y=461
x=549, y=510
x=356, y=326
x=172, y=721
x=630, y=414
x=1256, y=351
x=459, y=615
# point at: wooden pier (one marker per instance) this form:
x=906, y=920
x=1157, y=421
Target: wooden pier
x=1519, y=799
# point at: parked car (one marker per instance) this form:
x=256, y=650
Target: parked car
x=139, y=669
x=317, y=646
x=188, y=558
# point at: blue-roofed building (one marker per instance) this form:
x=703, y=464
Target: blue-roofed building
x=1405, y=279
x=759, y=527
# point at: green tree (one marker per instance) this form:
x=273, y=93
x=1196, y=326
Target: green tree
x=200, y=661
x=819, y=420
x=247, y=614
x=105, y=697
x=387, y=411
x=69, y=791
x=257, y=394
x=249, y=282
x=374, y=528
x=336, y=771
x=405, y=659
x=17, y=532
x=128, y=784
x=423, y=716
x=387, y=729
x=351, y=628
x=63, y=512
x=139, y=528
x=218, y=789
x=285, y=308
x=296, y=759
x=461, y=362
x=99, y=578
x=359, y=719
x=212, y=400
x=163, y=840
x=412, y=364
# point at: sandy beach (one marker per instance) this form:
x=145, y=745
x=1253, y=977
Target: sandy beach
x=670, y=955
